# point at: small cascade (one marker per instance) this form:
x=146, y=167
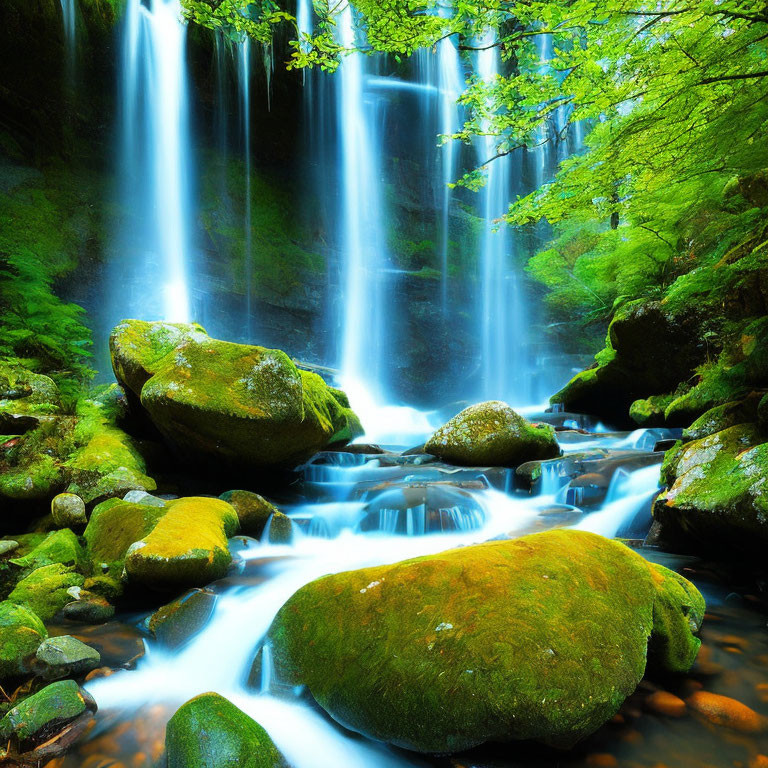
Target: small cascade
x=244, y=77
x=629, y=495
x=155, y=153
x=69, y=26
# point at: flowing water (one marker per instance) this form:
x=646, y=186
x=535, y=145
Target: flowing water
x=154, y=253
x=244, y=77
x=354, y=510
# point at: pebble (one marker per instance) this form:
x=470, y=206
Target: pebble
x=758, y=761
x=665, y=703
x=601, y=760
x=722, y=710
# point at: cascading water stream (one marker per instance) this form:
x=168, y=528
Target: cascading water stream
x=155, y=155
x=244, y=76
x=340, y=538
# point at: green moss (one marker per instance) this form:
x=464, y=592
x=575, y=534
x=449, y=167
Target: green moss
x=45, y=590
x=21, y=632
x=114, y=526
x=650, y=412
x=60, y=547
x=722, y=417
x=234, y=402
x=718, y=491
x=211, y=732
x=492, y=434
x=539, y=638
x=187, y=547
x=253, y=511
x=38, y=716
x=108, y=464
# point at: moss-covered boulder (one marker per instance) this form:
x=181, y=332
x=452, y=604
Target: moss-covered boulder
x=59, y=547
x=722, y=417
x=230, y=402
x=650, y=411
x=21, y=633
x=187, y=547
x=542, y=637
x=211, y=732
x=46, y=590
x=253, y=511
x=649, y=351
x=717, y=497
x=42, y=716
x=114, y=526
x=26, y=399
x=107, y=464
x=492, y=434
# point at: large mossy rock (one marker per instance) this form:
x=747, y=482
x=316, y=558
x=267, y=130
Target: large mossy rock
x=492, y=434
x=211, y=732
x=649, y=351
x=230, y=402
x=182, y=543
x=538, y=638
x=717, y=496
x=21, y=632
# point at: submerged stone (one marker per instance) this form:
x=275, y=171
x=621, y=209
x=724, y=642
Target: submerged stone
x=541, y=638
x=175, y=624
x=211, y=732
x=492, y=434
x=213, y=399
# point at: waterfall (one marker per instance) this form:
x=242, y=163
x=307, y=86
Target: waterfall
x=363, y=248
x=155, y=154
x=543, y=162
x=502, y=320
x=451, y=84
x=69, y=25
x=244, y=74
